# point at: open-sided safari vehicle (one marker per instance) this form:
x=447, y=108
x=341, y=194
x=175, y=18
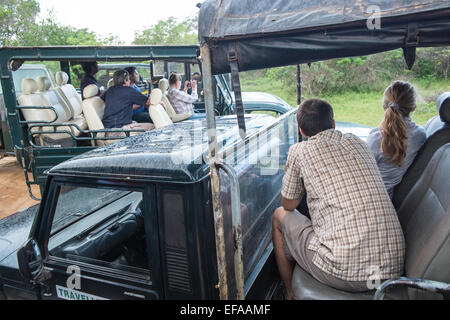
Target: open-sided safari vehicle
x=245, y=35
x=185, y=212
x=47, y=124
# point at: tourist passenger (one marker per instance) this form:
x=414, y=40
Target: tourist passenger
x=181, y=100
x=354, y=233
x=140, y=112
x=397, y=140
x=119, y=102
x=90, y=70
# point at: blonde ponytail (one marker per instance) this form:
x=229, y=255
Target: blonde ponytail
x=399, y=102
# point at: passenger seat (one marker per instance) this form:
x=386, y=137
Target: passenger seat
x=73, y=100
x=164, y=86
x=425, y=220
x=159, y=116
x=437, y=137
x=65, y=113
x=94, y=109
x=31, y=98
x=110, y=83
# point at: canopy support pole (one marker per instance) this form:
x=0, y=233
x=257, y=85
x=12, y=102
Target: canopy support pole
x=205, y=57
x=299, y=84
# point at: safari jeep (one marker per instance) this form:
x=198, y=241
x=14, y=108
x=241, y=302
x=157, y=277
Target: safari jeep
x=185, y=212
x=45, y=124
x=236, y=36
x=134, y=220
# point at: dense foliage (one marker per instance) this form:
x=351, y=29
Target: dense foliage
x=16, y=16
x=361, y=74
x=19, y=27
x=169, y=31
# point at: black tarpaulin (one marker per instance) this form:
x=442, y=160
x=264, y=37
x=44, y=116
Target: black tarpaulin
x=281, y=32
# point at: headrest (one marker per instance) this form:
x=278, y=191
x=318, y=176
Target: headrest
x=90, y=91
x=61, y=78
x=443, y=106
x=164, y=84
x=43, y=83
x=110, y=83
x=29, y=86
x=156, y=96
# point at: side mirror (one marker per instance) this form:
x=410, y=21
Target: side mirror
x=29, y=258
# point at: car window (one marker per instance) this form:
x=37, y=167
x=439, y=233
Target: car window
x=144, y=72
x=177, y=67
x=66, y=212
x=99, y=226
x=21, y=74
x=158, y=68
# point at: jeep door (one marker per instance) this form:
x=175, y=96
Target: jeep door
x=100, y=242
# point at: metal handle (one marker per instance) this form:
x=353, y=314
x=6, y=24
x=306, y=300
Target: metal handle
x=425, y=285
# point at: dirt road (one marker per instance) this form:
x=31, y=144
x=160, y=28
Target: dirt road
x=13, y=189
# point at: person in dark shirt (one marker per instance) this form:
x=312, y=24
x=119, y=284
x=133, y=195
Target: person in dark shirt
x=119, y=102
x=140, y=112
x=90, y=70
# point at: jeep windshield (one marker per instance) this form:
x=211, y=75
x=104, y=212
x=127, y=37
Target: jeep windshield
x=74, y=203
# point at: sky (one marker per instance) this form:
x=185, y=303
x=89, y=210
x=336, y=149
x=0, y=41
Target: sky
x=119, y=18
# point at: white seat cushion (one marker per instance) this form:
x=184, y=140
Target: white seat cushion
x=30, y=98
x=159, y=116
x=73, y=101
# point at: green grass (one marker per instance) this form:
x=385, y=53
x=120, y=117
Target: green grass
x=358, y=107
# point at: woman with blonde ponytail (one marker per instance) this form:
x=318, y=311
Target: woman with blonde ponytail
x=397, y=140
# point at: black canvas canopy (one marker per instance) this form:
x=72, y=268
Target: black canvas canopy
x=263, y=34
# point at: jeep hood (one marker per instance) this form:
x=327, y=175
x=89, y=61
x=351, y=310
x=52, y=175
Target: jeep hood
x=14, y=232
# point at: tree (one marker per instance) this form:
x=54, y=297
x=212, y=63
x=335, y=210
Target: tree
x=169, y=32
x=48, y=32
x=16, y=16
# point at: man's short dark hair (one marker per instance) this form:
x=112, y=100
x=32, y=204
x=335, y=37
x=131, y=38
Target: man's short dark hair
x=88, y=67
x=120, y=77
x=315, y=116
x=130, y=70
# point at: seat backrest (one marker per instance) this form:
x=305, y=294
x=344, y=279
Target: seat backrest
x=54, y=99
x=440, y=137
x=425, y=219
x=30, y=98
x=93, y=107
x=159, y=116
x=69, y=93
x=110, y=83
x=164, y=86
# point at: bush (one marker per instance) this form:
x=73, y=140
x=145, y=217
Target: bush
x=360, y=74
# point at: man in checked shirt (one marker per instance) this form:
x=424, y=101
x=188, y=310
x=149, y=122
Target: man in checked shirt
x=354, y=234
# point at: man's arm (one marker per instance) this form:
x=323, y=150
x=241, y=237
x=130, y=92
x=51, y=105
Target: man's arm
x=292, y=190
x=290, y=205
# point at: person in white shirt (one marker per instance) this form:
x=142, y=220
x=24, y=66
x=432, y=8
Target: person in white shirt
x=181, y=100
